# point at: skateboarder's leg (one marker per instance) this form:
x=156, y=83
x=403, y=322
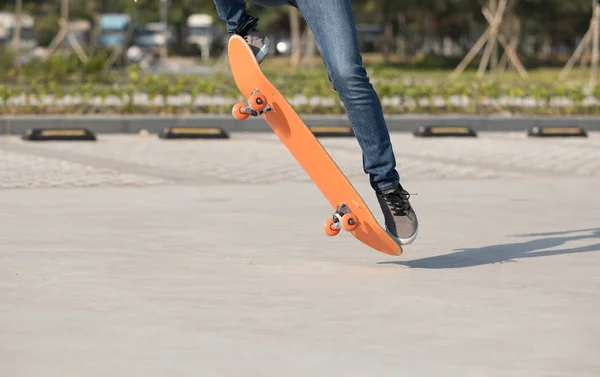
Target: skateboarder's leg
x=233, y=12
x=333, y=25
x=238, y=21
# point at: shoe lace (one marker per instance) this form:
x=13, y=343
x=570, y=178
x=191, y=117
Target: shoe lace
x=246, y=27
x=398, y=202
x=251, y=33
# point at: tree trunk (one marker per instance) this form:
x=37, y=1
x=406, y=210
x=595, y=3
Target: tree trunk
x=95, y=8
x=401, y=45
x=388, y=40
x=426, y=39
x=295, y=36
x=311, y=47
x=493, y=5
x=64, y=14
x=595, y=46
x=16, y=40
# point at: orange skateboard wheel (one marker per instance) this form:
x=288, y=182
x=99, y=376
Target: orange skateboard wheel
x=258, y=102
x=330, y=228
x=237, y=113
x=350, y=222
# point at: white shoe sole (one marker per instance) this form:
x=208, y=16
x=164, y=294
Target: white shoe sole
x=264, y=50
x=405, y=241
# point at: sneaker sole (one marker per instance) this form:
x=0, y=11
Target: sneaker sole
x=264, y=50
x=405, y=241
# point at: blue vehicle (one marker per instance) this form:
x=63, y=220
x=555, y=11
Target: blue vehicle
x=115, y=29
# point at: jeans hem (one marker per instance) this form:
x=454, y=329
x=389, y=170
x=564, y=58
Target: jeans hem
x=386, y=186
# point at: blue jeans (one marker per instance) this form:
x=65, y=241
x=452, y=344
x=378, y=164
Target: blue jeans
x=332, y=23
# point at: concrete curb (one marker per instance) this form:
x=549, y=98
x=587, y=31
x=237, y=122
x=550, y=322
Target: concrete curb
x=17, y=125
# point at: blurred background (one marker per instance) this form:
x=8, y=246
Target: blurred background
x=428, y=56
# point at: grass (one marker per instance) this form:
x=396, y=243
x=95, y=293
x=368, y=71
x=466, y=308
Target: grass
x=280, y=66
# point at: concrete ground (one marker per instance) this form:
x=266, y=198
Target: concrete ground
x=135, y=256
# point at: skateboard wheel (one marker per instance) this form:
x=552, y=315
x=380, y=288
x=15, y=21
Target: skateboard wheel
x=258, y=102
x=330, y=228
x=237, y=113
x=350, y=222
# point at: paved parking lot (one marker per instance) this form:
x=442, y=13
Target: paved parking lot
x=135, y=256
x=261, y=158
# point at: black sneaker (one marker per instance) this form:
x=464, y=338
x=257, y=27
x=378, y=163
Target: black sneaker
x=257, y=41
x=400, y=218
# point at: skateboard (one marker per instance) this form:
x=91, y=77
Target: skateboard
x=350, y=212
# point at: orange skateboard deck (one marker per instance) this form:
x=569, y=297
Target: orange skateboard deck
x=350, y=211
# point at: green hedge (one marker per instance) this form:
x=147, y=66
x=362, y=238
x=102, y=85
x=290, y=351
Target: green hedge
x=216, y=94
x=59, y=78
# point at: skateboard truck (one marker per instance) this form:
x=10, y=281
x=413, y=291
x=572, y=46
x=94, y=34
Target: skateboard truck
x=342, y=218
x=255, y=106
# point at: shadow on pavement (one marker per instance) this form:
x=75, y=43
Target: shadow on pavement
x=509, y=252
